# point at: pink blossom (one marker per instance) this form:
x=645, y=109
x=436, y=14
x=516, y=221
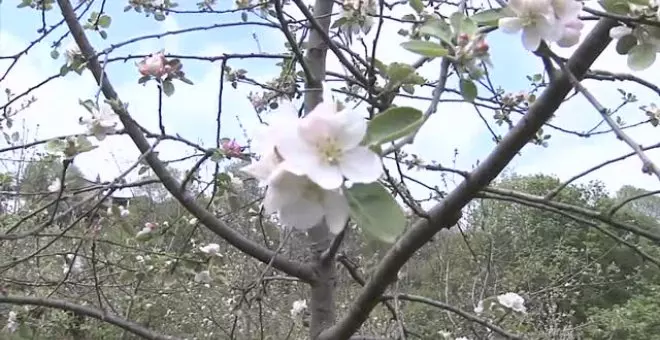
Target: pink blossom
x=231, y=148
x=154, y=65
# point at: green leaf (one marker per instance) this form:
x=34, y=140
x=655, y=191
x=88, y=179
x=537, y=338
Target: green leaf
x=104, y=21
x=616, y=6
x=626, y=43
x=168, y=88
x=393, y=124
x=488, y=17
x=403, y=74
x=55, y=145
x=54, y=54
x=375, y=211
x=438, y=29
x=468, y=90
x=417, y=5
x=244, y=16
x=64, y=70
x=641, y=57
x=462, y=24
x=425, y=48
x=103, y=34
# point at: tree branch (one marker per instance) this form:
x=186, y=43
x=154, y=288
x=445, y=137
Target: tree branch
x=86, y=311
x=447, y=213
x=171, y=184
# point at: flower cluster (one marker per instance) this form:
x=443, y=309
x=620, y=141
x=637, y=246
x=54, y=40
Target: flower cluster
x=471, y=51
x=549, y=20
x=304, y=162
x=358, y=13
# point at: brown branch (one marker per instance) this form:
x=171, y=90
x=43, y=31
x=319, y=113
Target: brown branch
x=447, y=213
x=171, y=184
x=86, y=311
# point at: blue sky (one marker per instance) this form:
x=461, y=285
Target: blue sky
x=191, y=111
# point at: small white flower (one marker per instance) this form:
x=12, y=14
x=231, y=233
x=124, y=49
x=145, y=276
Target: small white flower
x=139, y=258
x=55, y=186
x=512, y=301
x=211, y=249
x=203, y=277
x=146, y=232
x=102, y=122
x=12, y=322
x=192, y=221
x=298, y=307
x=72, y=51
x=77, y=266
x=480, y=307
x=123, y=212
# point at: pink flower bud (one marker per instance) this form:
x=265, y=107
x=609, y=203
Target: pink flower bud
x=154, y=65
x=150, y=225
x=463, y=39
x=231, y=148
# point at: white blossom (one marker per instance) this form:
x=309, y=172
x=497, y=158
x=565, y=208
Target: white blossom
x=71, y=51
x=123, y=212
x=102, y=122
x=211, y=249
x=203, y=277
x=12, y=322
x=512, y=301
x=298, y=307
x=480, y=307
x=326, y=148
x=192, y=221
x=537, y=21
x=55, y=186
x=146, y=232
x=73, y=262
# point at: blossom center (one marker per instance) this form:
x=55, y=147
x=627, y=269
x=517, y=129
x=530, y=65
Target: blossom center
x=329, y=150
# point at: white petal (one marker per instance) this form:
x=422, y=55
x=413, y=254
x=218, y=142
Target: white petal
x=619, y=32
x=299, y=156
x=302, y=215
x=284, y=189
x=531, y=39
x=326, y=176
x=570, y=38
x=354, y=127
x=336, y=210
x=510, y=25
x=262, y=169
x=361, y=165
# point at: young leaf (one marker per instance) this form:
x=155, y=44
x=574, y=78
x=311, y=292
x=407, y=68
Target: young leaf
x=168, y=88
x=393, y=124
x=417, y=5
x=641, y=57
x=375, y=211
x=105, y=21
x=425, y=48
x=488, y=17
x=468, y=90
x=438, y=29
x=625, y=43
